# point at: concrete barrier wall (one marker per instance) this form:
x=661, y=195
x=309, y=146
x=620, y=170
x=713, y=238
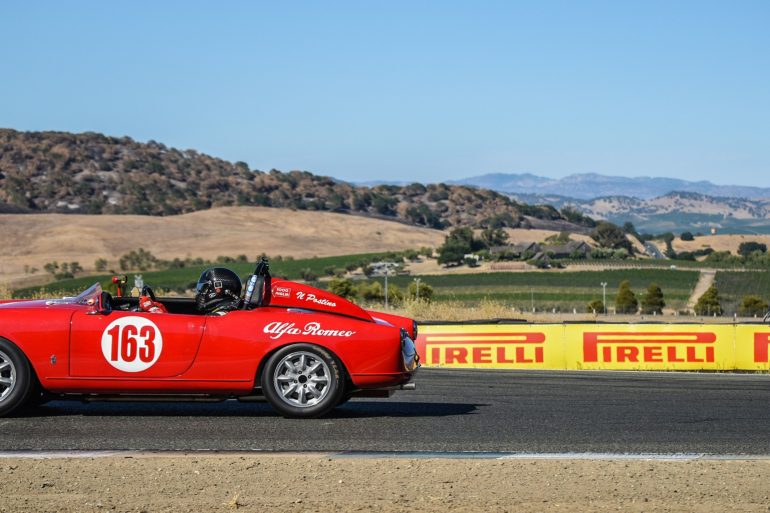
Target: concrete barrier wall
x=597, y=346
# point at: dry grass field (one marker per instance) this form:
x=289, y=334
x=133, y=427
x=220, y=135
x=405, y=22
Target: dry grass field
x=717, y=242
x=35, y=239
x=32, y=240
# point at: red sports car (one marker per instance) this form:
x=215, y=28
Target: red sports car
x=303, y=349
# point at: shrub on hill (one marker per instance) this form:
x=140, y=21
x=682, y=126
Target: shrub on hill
x=752, y=306
x=610, y=236
x=625, y=301
x=344, y=288
x=709, y=303
x=652, y=301
x=595, y=307
x=747, y=248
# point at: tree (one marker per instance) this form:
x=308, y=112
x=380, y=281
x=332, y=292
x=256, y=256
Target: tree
x=668, y=238
x=630, y=229
x=426, y=251
x=100, y=264
x=625, y=301
x=752, y=306
x=51, y=267
x=373, y=292
x=385, y=205
x=395, y=296
x=504, y=220
x=140, y=260
x=426, y=292
x=596, y=307
x=574, y=216
x=747, y=248
x=687, y=236
x=452, y=252
x=653, y=301
x=343, y=287
x=708, y=303
x=307, y=274
x=560, y=238
x=494, y=237
x=457, y=244
x=608, y=235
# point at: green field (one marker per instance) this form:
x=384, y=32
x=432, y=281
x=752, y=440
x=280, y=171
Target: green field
x=562, y=291
x=733, y=286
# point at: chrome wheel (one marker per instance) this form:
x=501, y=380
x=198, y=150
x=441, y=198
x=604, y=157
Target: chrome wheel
x=302, y=379
x=7, y=376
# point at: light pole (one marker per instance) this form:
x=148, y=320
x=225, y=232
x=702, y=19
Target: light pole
x=417, y=289
x=386, y=287
x=604, y=296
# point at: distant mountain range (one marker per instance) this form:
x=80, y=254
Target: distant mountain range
x=654, y=205
x=588, y=186
x=678, y=212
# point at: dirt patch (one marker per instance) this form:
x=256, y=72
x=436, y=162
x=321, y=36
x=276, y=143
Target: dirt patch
x=315, y=483
x=705, y=280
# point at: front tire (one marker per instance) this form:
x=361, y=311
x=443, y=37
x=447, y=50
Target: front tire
x=302, y=381
x=15, y=377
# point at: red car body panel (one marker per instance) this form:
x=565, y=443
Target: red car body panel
x=75, y=349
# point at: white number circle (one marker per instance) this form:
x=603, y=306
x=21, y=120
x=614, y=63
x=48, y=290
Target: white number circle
x=132, y=344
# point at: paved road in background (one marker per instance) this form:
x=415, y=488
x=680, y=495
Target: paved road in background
x=451, y=410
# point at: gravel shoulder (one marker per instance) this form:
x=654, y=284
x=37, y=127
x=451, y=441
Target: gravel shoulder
x=320, y=483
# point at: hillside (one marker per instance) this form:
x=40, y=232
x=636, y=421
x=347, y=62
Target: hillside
x=228, y=231
x=91, y=173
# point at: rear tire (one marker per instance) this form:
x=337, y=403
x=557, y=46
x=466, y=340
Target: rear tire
x=302, y=381
x=15, y=377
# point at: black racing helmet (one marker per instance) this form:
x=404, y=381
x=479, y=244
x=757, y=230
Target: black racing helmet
x=216, y=286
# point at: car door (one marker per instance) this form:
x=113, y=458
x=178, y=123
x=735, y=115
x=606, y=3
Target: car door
x=133, y=345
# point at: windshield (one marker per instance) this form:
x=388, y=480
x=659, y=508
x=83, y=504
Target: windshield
x=90, y=296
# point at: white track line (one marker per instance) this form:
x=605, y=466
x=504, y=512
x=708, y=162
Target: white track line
x=580, y=456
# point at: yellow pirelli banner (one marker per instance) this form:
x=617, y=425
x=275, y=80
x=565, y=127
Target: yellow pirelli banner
x=659, y=347
x=494, y=346
x=751, y=347
x=650, y=346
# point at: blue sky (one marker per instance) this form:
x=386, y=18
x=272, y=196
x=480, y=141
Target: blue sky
x=413, y=90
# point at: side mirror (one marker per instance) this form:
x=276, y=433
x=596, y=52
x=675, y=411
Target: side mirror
x=102, y=305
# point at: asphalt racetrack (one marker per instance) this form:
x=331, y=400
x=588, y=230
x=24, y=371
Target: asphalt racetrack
x=451, y=411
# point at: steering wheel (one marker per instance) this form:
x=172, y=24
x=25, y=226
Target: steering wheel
x=147, y=291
